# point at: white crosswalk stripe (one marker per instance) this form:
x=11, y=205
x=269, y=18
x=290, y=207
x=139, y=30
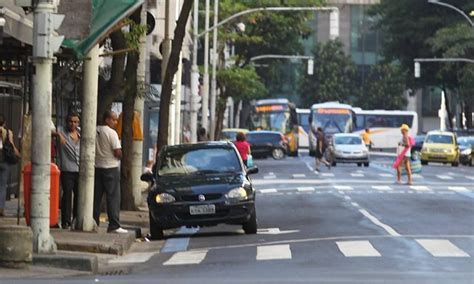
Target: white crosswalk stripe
x=187, y=257
x=273, y=252
x=327, y=174
x=385, y=175
x=299, y=175
x=441, y=248
x=343, y=187
x=357, y=175
x=134, y=257
x=470, y=177
x=444, y=177
x=305, y=189
x=458, y=188
x=357, y=249
x=270, y=190
x=420, y=187
x=382, y=187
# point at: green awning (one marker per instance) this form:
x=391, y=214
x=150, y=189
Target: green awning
x=105, y=15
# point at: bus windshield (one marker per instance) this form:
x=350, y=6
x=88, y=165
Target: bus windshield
x=275, y=121
x=333, y=120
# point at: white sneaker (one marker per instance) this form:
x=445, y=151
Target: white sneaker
x=119, y=231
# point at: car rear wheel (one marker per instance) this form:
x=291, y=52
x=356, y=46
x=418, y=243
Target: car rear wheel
x=366, y=164
x=359, y=164
x=278, y=154
x=156, y=232
x=250, y=228
x=455, y=164
x=424, y=162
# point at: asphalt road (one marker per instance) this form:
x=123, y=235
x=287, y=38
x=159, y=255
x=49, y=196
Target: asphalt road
x=348, y=224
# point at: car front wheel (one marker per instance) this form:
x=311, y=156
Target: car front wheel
x=156, y=232
x=250, y=227
x=278, y=154
x=366, y=164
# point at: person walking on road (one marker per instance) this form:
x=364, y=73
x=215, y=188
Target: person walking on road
x=6, y=135
x=404, y=154
x=69, y=149
x=320, y=149
x=366, y=138
x=107, y=173
x=242, y=146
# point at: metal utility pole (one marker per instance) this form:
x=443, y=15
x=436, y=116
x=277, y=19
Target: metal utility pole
x=165, y=54
x=205, y=85
x=45, y=43
x=194, y=75
x=85, y=220
x=214, y=71
x=177, y=97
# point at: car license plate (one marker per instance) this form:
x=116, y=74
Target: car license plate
x=202, y=209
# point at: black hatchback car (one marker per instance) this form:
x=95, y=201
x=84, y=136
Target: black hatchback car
x=201, y=184
x=267, y=143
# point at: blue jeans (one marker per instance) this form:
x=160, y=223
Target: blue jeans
x=4, y=175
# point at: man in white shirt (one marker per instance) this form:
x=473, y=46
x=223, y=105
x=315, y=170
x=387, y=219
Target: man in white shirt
x=107, y=173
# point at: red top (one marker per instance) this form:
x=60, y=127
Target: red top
x=244, y=148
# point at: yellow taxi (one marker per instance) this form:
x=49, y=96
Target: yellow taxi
x=229, y=134
x=440, y=146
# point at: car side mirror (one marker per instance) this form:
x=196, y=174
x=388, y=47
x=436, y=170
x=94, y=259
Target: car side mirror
x=252, y=170
x=148, y=177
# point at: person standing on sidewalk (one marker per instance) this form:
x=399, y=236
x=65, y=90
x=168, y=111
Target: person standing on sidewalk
x=70, y=143
x=107, y=173
x=321, y=146
x=4, y=166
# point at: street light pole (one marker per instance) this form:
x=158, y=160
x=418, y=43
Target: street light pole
x=453, y=8
x=215, y=54
x=194, y=76
x=205, y=83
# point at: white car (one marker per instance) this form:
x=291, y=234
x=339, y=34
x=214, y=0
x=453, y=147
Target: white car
x=349, y=148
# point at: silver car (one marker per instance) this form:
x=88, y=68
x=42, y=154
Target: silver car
x=349, y=148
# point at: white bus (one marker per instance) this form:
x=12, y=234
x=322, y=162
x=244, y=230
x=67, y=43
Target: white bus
x=303, y=127
x=332, y=117
x=384, y=125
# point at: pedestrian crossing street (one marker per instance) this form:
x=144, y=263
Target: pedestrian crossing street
x=431, y=248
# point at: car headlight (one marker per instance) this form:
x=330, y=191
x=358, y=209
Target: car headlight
x=466, y=152
x=164, y=198
x=237, y=193
x=448, y=150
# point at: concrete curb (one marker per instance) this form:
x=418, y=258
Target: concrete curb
x=117, y=248
x=68, y=261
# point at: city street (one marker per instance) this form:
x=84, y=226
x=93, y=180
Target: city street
x=346, y=224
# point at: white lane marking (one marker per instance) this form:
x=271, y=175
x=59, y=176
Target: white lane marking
x=385, y=175
x=134, y=257
x=273, y=252
x=377, y=222
x=327, y=174
x=187, y=257
x=444, y=177
x=299, y=175
x=382, y=187
x=469, y=177
x=458, y=188
x=355, y=204
x=417, y=176
x=347, y=197
x=303, y=189
x=271, y=173
x=270, y=190
x=420, y=187
x=269, y=177
x=357, y=249
x=451, y=174
x=357, y=175
x=343, y=187
x=275, y=231
x=441, y=248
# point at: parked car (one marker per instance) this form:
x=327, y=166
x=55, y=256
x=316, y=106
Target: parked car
x=419, y=140
x=229, y=134
x=466, y=148
x=267, y=143
x=440, y=146
x=349, y=148
x=201, y=184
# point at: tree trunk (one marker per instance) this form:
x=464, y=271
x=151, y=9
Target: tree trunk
x=171, y=68
x=113, y=88
x=221, y=106
x=126, y=181
x=468, y=102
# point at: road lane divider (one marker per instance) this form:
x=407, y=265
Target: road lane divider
x=441, y=248
x=377, y=222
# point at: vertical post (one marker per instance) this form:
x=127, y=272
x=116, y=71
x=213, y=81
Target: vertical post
x=41, y=129
x=214, y=71
x=137, y=160
x=205, y=85
x=85, y=221
x=166, y=50
x=177, y=120
x=194, y=75
x=334, y=24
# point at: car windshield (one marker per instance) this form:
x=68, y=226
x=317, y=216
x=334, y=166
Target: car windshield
x=348, y=140
x=229, y=135
x=439, y=138
x=199, y=161
x=263, y=137
x=464, y=141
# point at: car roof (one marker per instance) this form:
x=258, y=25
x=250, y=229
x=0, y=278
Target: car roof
x=263, y=132
x=439, y=132
x=200, y=145
x=346, y=135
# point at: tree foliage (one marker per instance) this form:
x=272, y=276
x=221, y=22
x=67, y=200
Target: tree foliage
x=333, y=77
